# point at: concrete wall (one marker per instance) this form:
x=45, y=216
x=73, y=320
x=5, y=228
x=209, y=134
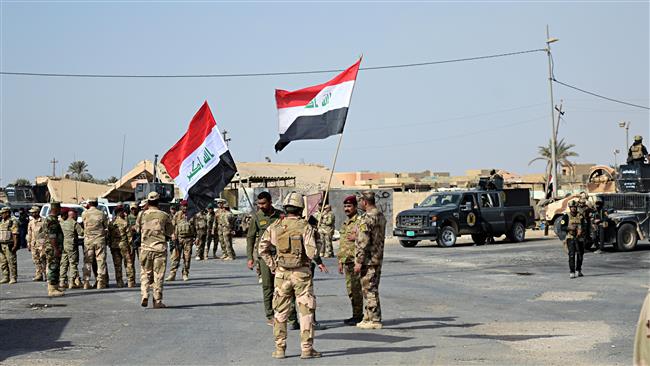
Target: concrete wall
x=384, y=202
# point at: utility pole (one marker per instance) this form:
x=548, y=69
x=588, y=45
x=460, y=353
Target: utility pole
x=226, y=139
x=53, y=162
x=550, y=40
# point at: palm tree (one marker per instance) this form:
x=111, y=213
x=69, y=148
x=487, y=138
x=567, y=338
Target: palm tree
x=562, y=154
x=22, y=182
x=78, y=169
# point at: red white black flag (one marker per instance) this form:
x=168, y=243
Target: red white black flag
x=200, y=162
x=315, y=112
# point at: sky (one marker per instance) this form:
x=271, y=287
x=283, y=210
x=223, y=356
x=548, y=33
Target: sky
x=452, y=117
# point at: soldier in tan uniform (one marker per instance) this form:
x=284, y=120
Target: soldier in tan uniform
x=369, y=258
x=575, y=225
x=201, y=227
x=225, y=229
x=637, y=153
x=8, y=246
x=121, y=249
x=294, y=242
x=72, y=231
x=156, y=228
x=184, y=237
x=209, y=238
x=326, y=231
x=36, y=239
x=95, y=231
x=346, y=256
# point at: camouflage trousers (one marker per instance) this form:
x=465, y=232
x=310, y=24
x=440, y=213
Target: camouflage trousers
x=370, y=276
x=290, y=283
x=184, y=246
x=69, y=262
x=95, y=251
x=217, y=243
x=53, y=261
x=326, y=248
x=353, y=286
x=8, y=263
x=208, y=240
x=122, y=259
x=200, y=244
x=226, y=243
x=39, y=259
x=152, y=273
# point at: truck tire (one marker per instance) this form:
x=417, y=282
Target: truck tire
x=626, y=237
x=447, y=237
x=408, y=243
x=517, y=232
x=557, y=228
x=479, y=239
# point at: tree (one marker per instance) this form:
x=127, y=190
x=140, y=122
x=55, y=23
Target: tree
x=79, y=170
x=112, y=179
x=22, y=182
x=562, y=154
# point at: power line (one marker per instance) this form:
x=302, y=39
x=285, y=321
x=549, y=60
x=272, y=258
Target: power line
x=599, y=96
x=178, y=76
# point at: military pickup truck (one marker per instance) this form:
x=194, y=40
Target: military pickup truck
x=444, y=216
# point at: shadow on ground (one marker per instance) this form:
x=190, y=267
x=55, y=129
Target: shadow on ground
x=506, y=337
x=22, y=336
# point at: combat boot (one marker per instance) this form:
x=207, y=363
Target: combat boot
x=37, y=278
x=312, y=353
x=186, y=277
x=144, y=302
x=77, y=283
x=63, y=285
x=87, y=285
x=52, y=291
x=120, y=283
x=370, y=325
x=12, y=281
x=158, y=304
x=131, y=283
x=4, y=280
x=171, y=277
x=101, y=285
x=278, y=353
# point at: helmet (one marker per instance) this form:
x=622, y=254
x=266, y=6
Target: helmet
x=294, y=199
x=573, y=203
x=638, y=138
x=584, y=195
x=4, y=210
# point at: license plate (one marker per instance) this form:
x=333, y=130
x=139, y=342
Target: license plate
x=410, y=233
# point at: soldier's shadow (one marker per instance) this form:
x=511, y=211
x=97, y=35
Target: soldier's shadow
x=365, y=350
x=214, y=304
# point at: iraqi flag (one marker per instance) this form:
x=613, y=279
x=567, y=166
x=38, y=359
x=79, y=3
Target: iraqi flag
x=315, y=112
x=200, y=162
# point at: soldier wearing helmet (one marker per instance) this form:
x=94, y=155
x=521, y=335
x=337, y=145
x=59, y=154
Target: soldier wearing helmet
x=287, y=247
x=8, y=246
x=600, y=223
x=575, y=228
x=637, y=153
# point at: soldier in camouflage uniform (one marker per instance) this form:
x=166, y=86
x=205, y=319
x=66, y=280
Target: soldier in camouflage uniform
x=326, y=231
x=637, y=153
x=287, y=247
x=184, y=237
x=156, y=228
x=36, y=239
x=369, y=257
x=225, y=221
x=346, y=257
x=134, y=235
x=211, y=221
x=8, y=246
x=217, y=233
x=95, y=231
x=53, y=249
x=120, y=244
x=585, y=208
x=575, y=225
x=70, y=258
x=201, y=227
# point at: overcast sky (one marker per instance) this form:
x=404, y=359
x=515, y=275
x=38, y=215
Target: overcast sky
x=448, y=117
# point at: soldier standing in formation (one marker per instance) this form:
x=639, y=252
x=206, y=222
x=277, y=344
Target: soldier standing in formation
x=346, y=257
x=121, y=235
x=95, y=230
x=134, y=236
x=287, y=248
x=9, y=228
x=155, y=227
x=217, y=230
x=72, y=231
x=326, y=231
x=575, y=228
x=211, y=221
x=225, y=228
x=201, y=227
x=369, y=257
x=36, y=239
x=637, y=152
x=53, y=250
x=184, y=236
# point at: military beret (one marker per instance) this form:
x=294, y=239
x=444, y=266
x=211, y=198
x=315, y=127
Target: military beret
x=153, y=196
x=352, y=200
x=184, y=203
x=55, y=204
x=210, y=205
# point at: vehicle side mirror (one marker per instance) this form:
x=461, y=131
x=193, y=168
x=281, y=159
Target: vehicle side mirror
x=415, y=205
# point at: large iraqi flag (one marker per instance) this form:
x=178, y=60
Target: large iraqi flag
x=200, y=162
x=315, y=112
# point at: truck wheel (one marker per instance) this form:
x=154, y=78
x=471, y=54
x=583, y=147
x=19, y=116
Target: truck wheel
x=447, y=237
x=557, y=227
x=478, y=239
x=626, y=237
x=408, y=243
x=517, y=232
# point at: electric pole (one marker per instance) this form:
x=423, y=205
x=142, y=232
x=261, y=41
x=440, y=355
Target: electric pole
x=550, y=40
x=226, y=139
x=53, y=162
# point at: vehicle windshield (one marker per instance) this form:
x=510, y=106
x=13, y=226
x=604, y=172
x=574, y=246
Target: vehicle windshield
x=441, y=199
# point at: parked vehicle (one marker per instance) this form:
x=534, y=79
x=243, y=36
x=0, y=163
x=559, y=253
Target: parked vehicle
x=45, y=210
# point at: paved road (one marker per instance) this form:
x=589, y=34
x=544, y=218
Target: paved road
x=498, y=304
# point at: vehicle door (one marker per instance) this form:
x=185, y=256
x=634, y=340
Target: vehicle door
x=492, y=212
x=468, y=216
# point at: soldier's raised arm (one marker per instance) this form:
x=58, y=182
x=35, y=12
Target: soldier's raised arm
x=266, y=243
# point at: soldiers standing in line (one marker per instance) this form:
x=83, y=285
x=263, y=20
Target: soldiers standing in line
x=72, y=231
x=155, y=227
x=217, y=230
x=36, y=240
x=9, y=228
x=184, y=236
x=201, y=227
x=53, y=250
x=121, y=238
x=134, y=236
x=209, y=238
x=326, y=232
x=287, y=248
x=600, y=223
x=346, y=257
x=95, y=230
x=575, y=228
x=369, y=257
x=225, y=220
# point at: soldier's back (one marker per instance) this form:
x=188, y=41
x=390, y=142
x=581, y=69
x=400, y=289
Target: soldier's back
x=156, y=227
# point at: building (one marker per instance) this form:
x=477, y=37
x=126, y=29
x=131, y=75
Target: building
x=124, y=188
